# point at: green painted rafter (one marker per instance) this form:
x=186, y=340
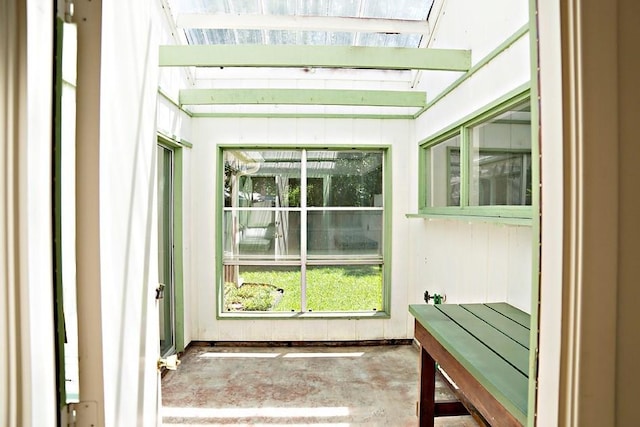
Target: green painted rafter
x=385, y=58
x=378, y=98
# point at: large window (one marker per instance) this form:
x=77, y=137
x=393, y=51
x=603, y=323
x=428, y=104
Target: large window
x=482, y=166
x=302, y=231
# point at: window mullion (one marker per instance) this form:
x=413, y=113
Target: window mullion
x=303, y=232
x=465, y=166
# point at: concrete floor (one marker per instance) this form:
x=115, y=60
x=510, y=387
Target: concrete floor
x=304, y=386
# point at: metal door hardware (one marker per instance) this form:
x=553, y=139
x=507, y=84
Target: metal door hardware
x=171, y=363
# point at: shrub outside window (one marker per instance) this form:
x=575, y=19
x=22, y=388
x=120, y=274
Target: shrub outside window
x=302, y=231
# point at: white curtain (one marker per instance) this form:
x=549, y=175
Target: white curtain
x=27, y=359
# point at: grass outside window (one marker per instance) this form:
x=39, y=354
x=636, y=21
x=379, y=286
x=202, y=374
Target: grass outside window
x=355, y=288
x=303, y=230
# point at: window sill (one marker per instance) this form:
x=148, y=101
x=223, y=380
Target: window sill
x=298, y=315
x=468, y=216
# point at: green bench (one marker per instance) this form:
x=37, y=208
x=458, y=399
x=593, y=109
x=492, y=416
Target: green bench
x=484, y=349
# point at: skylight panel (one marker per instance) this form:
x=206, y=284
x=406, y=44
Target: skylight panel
x=235, y=32
x=397, y=9
x=388, y=40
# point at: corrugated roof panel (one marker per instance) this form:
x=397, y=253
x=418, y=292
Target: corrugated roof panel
x=396, y=9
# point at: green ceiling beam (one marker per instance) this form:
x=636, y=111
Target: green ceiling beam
x=377, y=98
x=304, y=116
x=279, y=56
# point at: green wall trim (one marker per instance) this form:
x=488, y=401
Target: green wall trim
x=377, y=98
x=302, y=316
x=386, y=262
x=386, y=58
x=474, y=218
x=484, y=211
x=178, y=248
x=387, y=236
x=476, y=67
x=172, y=141
x=515, y=96
x=218, y=178
x=178, y=237
x=166, y=96
x=465, y=166
x=535, y=222
x=302, y=116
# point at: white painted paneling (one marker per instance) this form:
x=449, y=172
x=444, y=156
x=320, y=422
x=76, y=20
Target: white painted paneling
x=284, y=330
x=171, y=121
x=341, y=330
x=207, y=133
x=504, y=74
x=370, y=329
x=472, y=261
x=498, y=272
x=480, y=26
x=519, y=265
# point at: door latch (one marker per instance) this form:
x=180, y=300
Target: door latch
x=160, y=291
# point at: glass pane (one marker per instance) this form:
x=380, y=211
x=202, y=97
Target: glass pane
x=444, y=173
x=261, y=288
x=397, y=9
x=389, y=40
x=261, y=233
x=268, y=178
x=348, y=178
x=199, y=36
x=249, y=36
x=353, y=233
x=500, y=160
x=199, y=6
x=280, y=7
x=344, y=288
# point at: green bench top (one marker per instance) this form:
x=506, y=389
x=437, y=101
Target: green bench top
x=491, y=341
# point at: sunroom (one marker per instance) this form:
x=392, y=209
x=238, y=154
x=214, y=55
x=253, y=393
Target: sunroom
x=322, y=165
x=315, y=134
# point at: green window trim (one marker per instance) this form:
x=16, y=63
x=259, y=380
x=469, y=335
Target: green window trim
x=383, y=263
x=512, y=214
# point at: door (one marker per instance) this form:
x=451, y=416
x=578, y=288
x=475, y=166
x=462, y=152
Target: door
x=166, y=270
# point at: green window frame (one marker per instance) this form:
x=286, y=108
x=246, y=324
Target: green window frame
x=304, y=232
x=481, y=166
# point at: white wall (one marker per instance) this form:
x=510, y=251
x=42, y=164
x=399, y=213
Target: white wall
x=472, y=261
x=207, y=133
x=479, y=26
x=116, y=210
x=175, y=123
x=551, y=262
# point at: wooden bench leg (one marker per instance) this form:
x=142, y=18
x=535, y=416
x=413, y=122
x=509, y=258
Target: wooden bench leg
x=427, y=403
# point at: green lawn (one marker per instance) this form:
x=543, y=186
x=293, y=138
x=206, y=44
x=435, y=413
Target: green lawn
x=335, y=288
